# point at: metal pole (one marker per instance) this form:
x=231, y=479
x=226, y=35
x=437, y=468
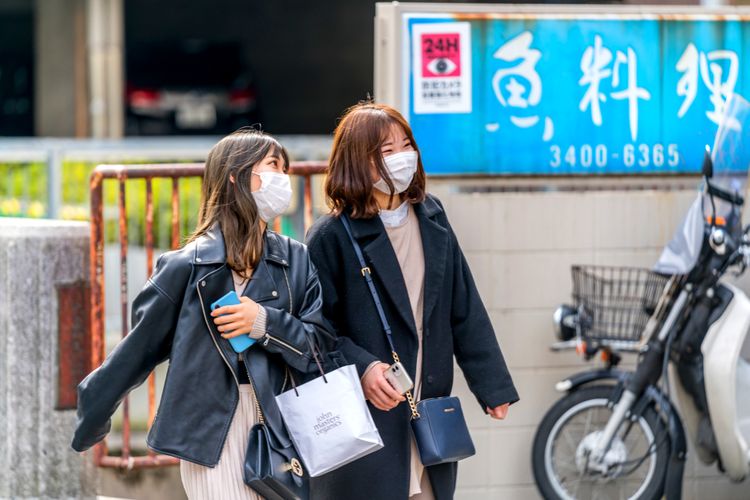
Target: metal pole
x=54, y=182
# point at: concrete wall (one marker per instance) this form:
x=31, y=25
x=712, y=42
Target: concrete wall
x=36, y=460
x=520, y=246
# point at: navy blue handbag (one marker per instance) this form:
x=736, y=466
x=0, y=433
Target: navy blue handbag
x=438, y=424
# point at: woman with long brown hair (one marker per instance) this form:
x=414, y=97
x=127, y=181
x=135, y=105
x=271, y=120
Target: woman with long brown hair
x=213, y=395
x=377, y=182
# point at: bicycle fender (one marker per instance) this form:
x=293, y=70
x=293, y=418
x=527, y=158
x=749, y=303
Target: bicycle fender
x=582, y=378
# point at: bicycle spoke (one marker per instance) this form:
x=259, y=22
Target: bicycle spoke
x=571, y=443
x=624, y=479
x=588, y=424
x=567, y=464
x=578, y=485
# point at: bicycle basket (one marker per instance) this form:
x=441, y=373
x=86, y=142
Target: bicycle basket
x=616, y=302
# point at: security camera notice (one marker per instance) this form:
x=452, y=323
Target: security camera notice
x=441, y=67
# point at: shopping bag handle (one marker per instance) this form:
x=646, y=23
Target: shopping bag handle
x=317, y=357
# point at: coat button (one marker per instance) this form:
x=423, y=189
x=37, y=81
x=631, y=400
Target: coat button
x=275, y=293
x=203, y=283
x=283, y=262
x=430, y=379
x=197, y=259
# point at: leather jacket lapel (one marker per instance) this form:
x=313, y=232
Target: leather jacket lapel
x=262, y=286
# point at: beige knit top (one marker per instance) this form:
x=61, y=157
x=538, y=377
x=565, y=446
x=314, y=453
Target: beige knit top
x=402, y=227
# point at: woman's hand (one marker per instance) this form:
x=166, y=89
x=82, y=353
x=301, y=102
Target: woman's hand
x=378, y=391
x=236, y=320
x=499, y=412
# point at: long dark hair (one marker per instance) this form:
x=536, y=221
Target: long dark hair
x=356, y=145
x=231, y=204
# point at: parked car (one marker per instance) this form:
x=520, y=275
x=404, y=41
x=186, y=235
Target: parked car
x=188, y=87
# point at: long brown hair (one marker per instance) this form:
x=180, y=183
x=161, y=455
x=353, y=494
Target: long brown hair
x=356, y=145
x=231, y=204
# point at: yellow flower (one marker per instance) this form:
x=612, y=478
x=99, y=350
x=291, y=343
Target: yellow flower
x=10, y=206
x=74, y=212
x=36, y=209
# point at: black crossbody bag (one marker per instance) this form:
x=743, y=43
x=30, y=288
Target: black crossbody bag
x=438, y=424
x=273, y=471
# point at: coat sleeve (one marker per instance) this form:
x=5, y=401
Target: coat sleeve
x=324, y=254
x=474, y=341
x=154, y=316
x=291, y=335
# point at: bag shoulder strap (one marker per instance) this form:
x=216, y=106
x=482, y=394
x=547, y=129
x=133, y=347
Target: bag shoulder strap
x=367, y=274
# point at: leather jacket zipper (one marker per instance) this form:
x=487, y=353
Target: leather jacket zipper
x=268, y=337
x=258, y=409
x=208, y=325
x=289, y=289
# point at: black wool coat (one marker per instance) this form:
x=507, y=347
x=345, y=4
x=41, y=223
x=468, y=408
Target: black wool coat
x=455, y=323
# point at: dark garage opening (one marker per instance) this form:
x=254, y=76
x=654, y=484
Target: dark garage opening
x=16, y=68
x=304, y=62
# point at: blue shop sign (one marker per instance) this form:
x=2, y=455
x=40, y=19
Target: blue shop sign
x=560, y=95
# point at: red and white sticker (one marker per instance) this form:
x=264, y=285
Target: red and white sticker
x=442, y=67
x=441, y=55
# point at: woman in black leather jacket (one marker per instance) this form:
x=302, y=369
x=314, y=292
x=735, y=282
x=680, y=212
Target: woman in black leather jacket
x=208, y=402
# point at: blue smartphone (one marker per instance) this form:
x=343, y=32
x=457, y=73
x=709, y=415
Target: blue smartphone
x=241, y=342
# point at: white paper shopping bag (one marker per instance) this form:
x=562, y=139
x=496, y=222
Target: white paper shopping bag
x=329, y=422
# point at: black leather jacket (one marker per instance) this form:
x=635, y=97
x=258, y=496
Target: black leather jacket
x=171, y=321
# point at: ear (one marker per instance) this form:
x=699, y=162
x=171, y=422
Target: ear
x=231, y=178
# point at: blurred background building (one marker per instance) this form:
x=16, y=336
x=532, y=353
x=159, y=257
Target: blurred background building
x=112, y=68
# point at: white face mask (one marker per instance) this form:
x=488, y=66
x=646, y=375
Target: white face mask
x=274, y=195
x=401, y=167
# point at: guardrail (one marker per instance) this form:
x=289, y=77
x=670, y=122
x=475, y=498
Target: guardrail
x=122, y=173
x=55, y=153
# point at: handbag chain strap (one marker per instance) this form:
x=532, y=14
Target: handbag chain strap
x=367, y=275
x=409, y=397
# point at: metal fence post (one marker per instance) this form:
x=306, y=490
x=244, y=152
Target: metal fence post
x=54, y=182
